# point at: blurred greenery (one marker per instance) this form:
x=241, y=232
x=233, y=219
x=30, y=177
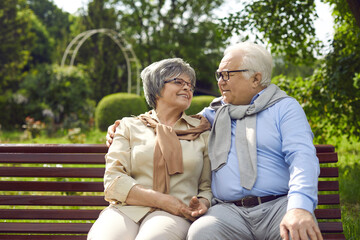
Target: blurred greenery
x=198, y=103
x=116, y=106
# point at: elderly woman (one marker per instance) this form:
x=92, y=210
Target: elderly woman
x=157, y=177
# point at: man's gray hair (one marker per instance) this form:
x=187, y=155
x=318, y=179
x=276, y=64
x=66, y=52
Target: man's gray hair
x=154, y=75
x=255, y=58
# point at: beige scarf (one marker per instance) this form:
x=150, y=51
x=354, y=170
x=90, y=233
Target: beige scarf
x=167, y=150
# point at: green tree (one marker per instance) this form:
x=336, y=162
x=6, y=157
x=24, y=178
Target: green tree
x=104, y=59
x=57, y=24
x=286, y=26
x=15, y=41
x=335, y=93
x=183, y=28
x=331, y=96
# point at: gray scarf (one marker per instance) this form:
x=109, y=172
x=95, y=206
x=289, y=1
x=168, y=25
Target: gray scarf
x=245, y=133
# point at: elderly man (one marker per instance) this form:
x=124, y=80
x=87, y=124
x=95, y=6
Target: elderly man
x=264, y=164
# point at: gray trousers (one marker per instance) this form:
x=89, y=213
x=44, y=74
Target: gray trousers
x=227, y=221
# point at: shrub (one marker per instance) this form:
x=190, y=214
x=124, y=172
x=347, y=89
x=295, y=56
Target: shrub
x=116, y=106
x=59, y=96
x=198, y=103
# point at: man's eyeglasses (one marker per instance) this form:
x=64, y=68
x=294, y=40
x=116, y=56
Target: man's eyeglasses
x=181, y=83
x=225, y=75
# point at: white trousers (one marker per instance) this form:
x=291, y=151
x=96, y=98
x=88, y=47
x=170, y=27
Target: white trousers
x=114, y=225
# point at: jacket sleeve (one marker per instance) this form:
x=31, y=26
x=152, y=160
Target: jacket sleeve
x=117, y=178
x=205, y=178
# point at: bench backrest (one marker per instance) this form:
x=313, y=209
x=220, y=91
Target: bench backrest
x=328, y=212
x=58, y=189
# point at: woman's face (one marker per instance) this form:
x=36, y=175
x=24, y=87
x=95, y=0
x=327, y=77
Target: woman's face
x=176, y=94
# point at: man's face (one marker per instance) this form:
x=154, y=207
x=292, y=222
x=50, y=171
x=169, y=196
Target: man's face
x=238, y=90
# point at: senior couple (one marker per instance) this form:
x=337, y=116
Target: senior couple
x=243, y=168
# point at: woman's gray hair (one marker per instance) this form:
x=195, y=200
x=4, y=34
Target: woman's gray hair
x=154, y=75
x=255, y=58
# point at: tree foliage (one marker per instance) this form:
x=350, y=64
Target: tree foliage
x=335, y=92
x=15, y=42
x=183, y=28
x=103, y=58
x=57, y=24
x=286, y=26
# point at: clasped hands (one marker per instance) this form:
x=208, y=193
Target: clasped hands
x=197, y=207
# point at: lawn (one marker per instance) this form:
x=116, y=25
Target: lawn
x=349, y=168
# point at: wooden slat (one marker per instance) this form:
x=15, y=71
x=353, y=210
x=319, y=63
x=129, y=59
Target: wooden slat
x=331, y=227
x=329, y=199
x=49, y=214
x=52, y=172
x=327, y=157
x=328, y=213
x=73, y=228
x=328, y=186
x=53, y=148
x=51, y=158
x=43, y=237
x=334, y=236
x=326, y=172
x=321, y=148
x=51, y=186
x=53, y=200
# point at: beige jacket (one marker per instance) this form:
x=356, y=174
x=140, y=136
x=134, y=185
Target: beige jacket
x=129, y=161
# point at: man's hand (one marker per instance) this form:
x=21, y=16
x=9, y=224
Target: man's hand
x=301, y=226
x=111, y=132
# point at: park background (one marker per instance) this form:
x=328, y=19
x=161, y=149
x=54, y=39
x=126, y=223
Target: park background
x=44, y=101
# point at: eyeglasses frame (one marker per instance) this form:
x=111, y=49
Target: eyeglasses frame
x=190, y=85
x=220, y=74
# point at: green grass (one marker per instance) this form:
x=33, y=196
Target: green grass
x=349, y=181
x=349, y=169
x=93, y=136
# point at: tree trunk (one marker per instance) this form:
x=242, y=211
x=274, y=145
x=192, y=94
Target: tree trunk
x=355, y=9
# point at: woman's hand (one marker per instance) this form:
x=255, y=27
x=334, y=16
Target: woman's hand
x=172, y=205
x=197, y=207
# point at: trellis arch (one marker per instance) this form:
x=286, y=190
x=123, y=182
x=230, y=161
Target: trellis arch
x=132, y=63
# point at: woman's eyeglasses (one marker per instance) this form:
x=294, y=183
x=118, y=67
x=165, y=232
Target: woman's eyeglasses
x=181, y=83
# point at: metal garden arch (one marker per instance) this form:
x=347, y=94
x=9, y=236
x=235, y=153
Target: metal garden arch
x=132, y=63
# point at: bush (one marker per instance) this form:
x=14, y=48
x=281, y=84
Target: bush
x=58, y=95
x=51, y=94
x=116, y=106
x=198, y=103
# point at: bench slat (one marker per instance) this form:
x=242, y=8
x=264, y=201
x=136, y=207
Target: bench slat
x=329, y=199
x=52, y=172
x=328, y=186
x=327, y=157
x=328, y=213
x=53, y=148
x=73, y=228
x=323, y=148
x=327, y=172
x=53, y=200
x=334, y=236
x=49, y=158
x=43, y=237
x=52, y=186
x=49, y=214
x=331, y=227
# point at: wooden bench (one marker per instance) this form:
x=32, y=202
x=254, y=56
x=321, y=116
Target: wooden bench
x=56, y=191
